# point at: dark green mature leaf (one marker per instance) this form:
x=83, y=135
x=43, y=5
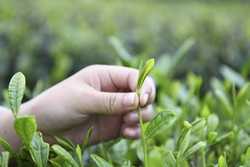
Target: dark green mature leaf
x=144, y=72
x=222, y=162
x=16, y=91
x=64, y=154
x=198, y=146
x=4, y=159
x=162, y=120
x=25, y=128
x=39, y=151
x=6, y=146
x=100, y=162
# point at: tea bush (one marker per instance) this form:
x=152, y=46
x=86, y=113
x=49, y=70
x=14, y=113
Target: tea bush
x=193, y=126
x=189, y=129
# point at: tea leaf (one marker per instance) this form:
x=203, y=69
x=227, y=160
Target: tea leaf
x=39, y=151
x=170, y=159
x=222, y=162
x=183, y=141
x=87, y=138
x=65, y=143
x=161, y=120
x=16, y=91
x=25, y=128
x=195, y=148
x=144, y=72
x=79, y=155
x=100, y=162
x=64, y=154
x=4, y=159
x=126, y=164
x=212, y=122
x=6, y=146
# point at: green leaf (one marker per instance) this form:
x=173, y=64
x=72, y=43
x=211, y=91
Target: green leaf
x=39, y=151
x=79, y=155
x=162, y=120
x=100, y=162
x=16, y=92
x=222, y=162
x=87, y=138
x=230, y=75
x=144, y=72
x=126, y=164
x=183, y=141
x=6, y=146
x=25, y=128
x=65, y=143
x=64, y=154
x=170, y=160
x=122, y=52
x=212, y=122
x=5, y=159
x=195, y=148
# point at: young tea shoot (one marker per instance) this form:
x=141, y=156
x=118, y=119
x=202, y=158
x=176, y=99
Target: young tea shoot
x=143, y=73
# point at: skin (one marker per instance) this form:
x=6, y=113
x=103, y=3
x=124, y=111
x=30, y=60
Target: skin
x=98, y=96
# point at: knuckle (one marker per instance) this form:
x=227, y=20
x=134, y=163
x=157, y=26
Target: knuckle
x=110, y=101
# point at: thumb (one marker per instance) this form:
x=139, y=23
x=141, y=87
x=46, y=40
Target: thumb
x=115, y=103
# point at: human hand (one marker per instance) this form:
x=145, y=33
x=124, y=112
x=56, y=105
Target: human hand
x=99, y=96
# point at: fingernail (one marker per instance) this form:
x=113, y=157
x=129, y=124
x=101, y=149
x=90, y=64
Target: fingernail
x=129, y=100
x=144, y=99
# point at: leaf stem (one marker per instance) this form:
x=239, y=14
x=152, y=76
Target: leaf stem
x=143, y=139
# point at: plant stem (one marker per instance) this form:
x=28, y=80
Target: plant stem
x=143, y=139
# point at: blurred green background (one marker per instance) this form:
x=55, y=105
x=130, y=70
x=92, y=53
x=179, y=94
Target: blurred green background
x=49, y=40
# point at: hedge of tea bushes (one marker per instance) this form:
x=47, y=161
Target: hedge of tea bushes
x=51, y=39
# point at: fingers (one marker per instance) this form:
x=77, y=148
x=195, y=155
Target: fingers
x=148, y=91
x=114, y=103
x=132, y=117
x=130, y=132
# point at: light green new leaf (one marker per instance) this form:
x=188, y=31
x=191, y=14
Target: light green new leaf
x=126, y=164
x=183, y=141
x=6, y=146
x=25, y=128
x=39, y=151
x=194, y=149
x=4, y=159
x=222, y=162
x=65, y=143
x=86, y=139
x=64, y=154
x=170, y=160
x=16, y=92
x=79, y=155
x=144, y=72
x=162, y=120
x=100, y=162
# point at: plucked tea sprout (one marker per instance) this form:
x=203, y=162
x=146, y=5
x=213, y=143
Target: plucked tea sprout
x=143, y=73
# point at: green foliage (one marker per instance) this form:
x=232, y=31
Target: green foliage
x=39, y=150
x=26, y=128
x=4, y=159
x=164, y=119
x=16, y=92
x=100, y=162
